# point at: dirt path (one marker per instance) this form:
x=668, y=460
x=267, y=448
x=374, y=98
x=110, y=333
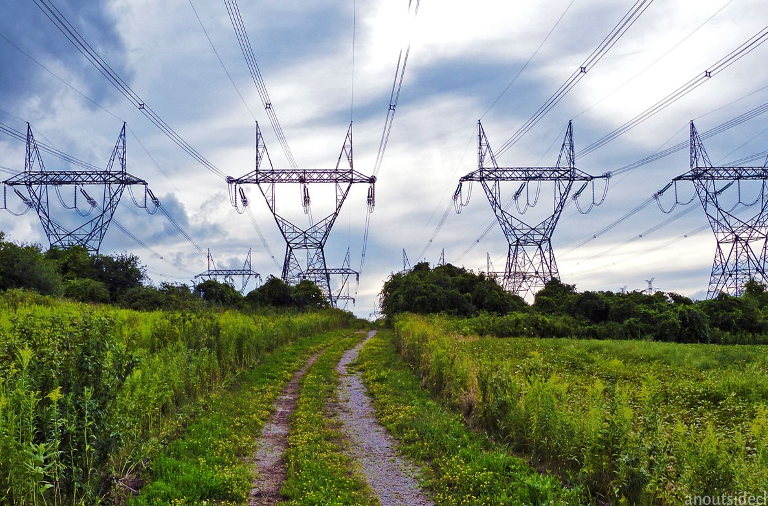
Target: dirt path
x=388, y=474
x=269, y=459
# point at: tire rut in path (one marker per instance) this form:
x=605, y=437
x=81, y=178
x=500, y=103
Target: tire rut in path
x=389, y=475
x=269, y=459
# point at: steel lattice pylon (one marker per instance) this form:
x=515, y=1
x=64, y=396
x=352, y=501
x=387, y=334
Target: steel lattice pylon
x=304, y=250
x=245, y=274
x=39, y=182
x=741, y=242
x=530, y=258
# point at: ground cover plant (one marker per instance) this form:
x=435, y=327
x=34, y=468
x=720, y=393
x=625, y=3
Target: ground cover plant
x=461, y=466
x=630, y=421
x=211, y=459
x=319, y=472
x=87, y=393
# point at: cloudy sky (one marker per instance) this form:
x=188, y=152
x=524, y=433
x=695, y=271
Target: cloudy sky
x=463, y=57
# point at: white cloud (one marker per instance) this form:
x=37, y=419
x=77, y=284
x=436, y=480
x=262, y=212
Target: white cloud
x=463, y=55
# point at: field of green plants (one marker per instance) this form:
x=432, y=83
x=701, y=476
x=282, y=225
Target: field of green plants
x=88, y=393
x=634, y=422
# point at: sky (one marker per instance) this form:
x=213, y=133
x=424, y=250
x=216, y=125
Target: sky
x=463, y=56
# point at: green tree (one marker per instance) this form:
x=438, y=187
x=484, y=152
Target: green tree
x=24, y=266
x=215, y=292
x=555, y=297
x=307, y=294
x=445, y=289
x=73, y=262
x=274, y=292
x=86, y=290
x=119, y=273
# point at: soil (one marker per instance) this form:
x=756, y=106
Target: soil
x=269, y=459
x=390, y=476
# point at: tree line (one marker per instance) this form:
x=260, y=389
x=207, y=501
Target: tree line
x=559, y=310
x=122, y=280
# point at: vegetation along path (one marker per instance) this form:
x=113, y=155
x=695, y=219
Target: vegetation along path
x=389, y=475
x=270, y=457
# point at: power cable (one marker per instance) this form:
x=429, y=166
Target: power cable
x=657, y=60
x=530, y=59
x=221, y=62
x=88, y=52
x=751, y=44
x=258, y=80
x=624, y=24
x=394, y=97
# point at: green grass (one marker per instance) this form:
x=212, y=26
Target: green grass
x=88, y=393
x=207, y=463
x=461, y=466
x=640, y=422
x=319, y=472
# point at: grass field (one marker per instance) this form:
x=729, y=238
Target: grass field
x=460, y=466
x=88, y=393
x=634, y=421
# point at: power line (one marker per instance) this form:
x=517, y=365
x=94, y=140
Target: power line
x=725, y=62
x=525, y=65
x=394, y=97
x=624, y=24
x=250, y=59
x=657, y=60
x=218, y=57
x=88, y=52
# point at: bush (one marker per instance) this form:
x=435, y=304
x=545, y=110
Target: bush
x=86, y=290
x=26, y=267
x=215, y=292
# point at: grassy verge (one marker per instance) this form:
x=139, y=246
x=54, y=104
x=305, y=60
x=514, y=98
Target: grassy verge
x=631, y=422
x=208, y=462
x=318, y=471
x=462, y=467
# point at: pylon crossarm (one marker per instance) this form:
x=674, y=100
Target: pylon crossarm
x=724, y=174
x=227, y=272
x=528, y=174
x=333, y=270
x=71, y=177
x=293, y=176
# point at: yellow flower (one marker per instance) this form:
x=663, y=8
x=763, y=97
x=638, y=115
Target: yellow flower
x=55, y=394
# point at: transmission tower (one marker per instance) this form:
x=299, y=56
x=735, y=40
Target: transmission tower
x=489, y=271
x=742, y=245
x=441, y=261
x=64, y=230
x=228, y=275
x=530, y=259
x=406, y=263
x=304, y=250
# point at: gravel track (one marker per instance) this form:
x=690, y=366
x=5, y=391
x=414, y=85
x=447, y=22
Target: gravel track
x=269, y=459
x=389, y=475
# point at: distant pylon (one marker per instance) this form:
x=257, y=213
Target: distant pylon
x=245, y=274
x=406, y=262
x=497, y=276
x=442, y=258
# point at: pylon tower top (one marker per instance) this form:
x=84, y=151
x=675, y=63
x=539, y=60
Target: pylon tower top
x=530, y=259
x=305, y=247
x=64, y=230
x=742, y=244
